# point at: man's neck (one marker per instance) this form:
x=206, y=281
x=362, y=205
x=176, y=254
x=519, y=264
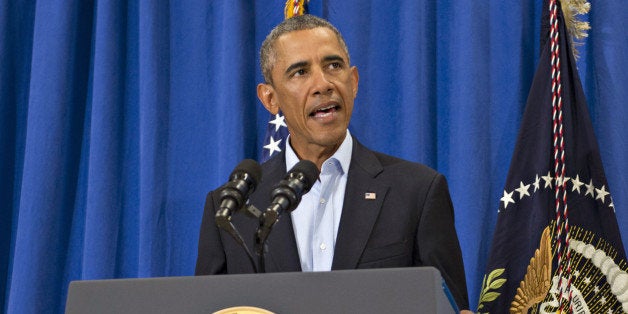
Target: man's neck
x=316, y=153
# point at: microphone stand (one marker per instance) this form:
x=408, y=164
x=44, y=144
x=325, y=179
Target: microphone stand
x=224, y=221
x=266, y=222
x=286, y=196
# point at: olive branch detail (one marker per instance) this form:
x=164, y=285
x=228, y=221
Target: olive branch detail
x=489, y=285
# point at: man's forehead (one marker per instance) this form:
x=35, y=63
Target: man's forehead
x=296, y=44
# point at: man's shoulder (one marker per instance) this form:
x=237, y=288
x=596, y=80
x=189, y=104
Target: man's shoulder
x=392, y=161
x=405, y=171
x=394, y=165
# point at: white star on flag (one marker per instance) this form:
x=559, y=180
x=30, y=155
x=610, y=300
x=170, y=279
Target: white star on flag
x=523, y=190
x=279, y=121
x=562, y=180
x=537, y=181
x=507, y=198
x=576, y=184
x=273, y=146
x=276, y=135
x=548, y=180
x=589, y=188
x=601, y=193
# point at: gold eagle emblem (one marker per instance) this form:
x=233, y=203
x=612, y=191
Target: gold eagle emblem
x=537, y=280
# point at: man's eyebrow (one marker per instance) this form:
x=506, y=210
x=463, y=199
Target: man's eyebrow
x=301, y=64
x=296, y=65
x=333, y=58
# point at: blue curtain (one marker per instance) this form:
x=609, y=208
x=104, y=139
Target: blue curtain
x=117, y=117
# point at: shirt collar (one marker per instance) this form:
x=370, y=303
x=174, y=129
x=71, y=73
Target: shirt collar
x=342, y=154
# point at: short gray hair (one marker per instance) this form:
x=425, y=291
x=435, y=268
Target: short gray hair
x=302, y=22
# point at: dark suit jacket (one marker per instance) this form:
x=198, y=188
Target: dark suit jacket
x=409, y=223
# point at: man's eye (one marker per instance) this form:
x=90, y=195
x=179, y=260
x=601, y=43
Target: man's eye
x=298, y=72
x=335, y=65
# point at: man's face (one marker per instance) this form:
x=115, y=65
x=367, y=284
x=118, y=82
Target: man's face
x=314, y=87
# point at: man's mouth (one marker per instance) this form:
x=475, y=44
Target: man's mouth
x=325, y=111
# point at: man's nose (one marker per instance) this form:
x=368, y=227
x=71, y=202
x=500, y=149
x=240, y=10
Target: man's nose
x=322, y=84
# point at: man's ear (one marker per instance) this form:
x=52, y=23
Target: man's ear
x=266, y=94
x=355, y=77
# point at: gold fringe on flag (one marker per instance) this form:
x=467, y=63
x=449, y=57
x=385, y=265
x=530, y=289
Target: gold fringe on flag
x=577, y=29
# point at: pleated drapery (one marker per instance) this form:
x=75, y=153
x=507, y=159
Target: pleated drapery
x=117, y=117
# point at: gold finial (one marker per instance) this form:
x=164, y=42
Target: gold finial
x=295, y=8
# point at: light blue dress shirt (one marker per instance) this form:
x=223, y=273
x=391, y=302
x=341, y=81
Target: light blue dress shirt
x=316, y=219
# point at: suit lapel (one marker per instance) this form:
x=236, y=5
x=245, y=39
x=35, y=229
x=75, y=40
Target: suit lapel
x=282, y=247
x=359, y=213
x=360, y=210
x=282, y=254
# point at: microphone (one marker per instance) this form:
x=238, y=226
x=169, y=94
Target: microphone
x=286, y=196
x=288, y=192
x=233, y=194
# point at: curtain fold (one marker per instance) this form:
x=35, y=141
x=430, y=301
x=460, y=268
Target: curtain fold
x=117, y=118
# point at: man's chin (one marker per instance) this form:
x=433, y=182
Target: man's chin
x=331, y=139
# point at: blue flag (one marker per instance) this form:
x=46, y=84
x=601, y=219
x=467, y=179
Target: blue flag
x=556, y=245
x=276, y=136
x=277, y=131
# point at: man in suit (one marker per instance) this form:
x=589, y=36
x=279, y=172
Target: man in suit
x=367, y=209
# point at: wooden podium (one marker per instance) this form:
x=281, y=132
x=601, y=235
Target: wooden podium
x=391, y=290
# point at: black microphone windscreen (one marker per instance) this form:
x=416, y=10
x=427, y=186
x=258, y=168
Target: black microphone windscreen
x=251, y=167
x=309, y=170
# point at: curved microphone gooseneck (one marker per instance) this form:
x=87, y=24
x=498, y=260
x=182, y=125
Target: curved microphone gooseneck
x=285, y=198
x=233, y=197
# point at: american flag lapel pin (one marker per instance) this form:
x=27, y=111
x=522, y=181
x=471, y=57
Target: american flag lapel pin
x=370, y=196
